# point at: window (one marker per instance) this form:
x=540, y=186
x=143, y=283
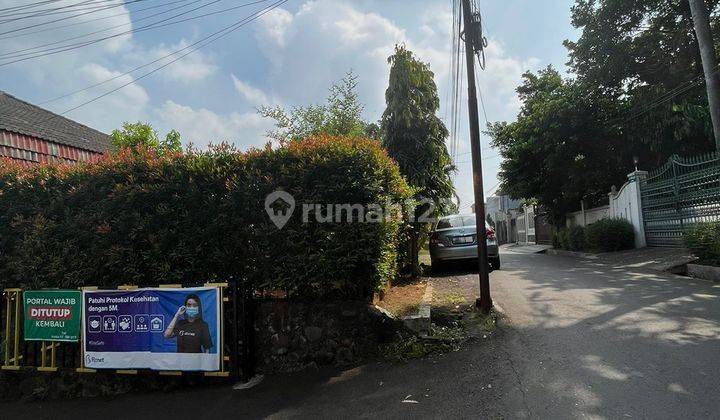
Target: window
x=451, y=222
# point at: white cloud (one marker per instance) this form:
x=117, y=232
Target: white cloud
x=108, y=112
x=274, y=23
x=202, y=126
x=319, y=44
x=251, y=94
x=133, y=94
x=191, y=68
x=315, y=46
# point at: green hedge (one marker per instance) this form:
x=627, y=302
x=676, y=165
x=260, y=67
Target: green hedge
x=703, y=240
x=571, y=239
x=608, y=235
x=138, y=218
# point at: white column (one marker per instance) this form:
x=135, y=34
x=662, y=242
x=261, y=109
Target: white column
x=635, y=205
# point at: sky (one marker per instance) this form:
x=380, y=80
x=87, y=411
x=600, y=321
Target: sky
x=290, y=55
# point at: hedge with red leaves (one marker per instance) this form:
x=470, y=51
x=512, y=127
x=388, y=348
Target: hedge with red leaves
x=139, y=218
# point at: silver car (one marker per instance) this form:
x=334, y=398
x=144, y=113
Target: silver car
x=455, y=238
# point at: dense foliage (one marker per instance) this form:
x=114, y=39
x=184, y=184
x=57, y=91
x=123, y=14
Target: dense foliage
x=703, y=240
x=556, y=152
x=415, y=137
x=637, y=91
x=142, y=135
x=340, y=116
x=609, y=235
x=141, y=218
x=571, y=239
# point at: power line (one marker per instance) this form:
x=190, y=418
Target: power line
x=83, y=22
x=68, y=17
x=154, y=25
x=28, y=6
x=57, y=98
x=68, y=9
x=209, y=39
x=55, y=50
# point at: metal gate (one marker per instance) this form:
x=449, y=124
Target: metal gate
x=679, y=194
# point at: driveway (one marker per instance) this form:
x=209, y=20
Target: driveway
x=579, y=339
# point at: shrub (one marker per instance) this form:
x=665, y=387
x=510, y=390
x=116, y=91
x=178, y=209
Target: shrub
x=571, y=239
x=576, y=238
x=144, y=219
x=556, y=239
x=703, y=240
x=608, y=235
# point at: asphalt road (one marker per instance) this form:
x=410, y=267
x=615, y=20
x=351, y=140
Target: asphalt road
x=579, y=339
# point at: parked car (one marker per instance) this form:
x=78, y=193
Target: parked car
x=455, y=238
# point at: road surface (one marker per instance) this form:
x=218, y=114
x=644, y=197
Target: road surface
x=579, y=339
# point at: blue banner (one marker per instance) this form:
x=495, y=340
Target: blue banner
x=160, y=329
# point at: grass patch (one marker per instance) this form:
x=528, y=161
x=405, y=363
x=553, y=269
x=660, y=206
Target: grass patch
x=403, y=299
x=454, y=299
x=440, y=340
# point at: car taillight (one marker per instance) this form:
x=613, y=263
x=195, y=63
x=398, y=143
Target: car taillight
x=490, y=234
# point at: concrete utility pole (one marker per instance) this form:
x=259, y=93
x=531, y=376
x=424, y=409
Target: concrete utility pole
x=699, y=11
x=469, y=28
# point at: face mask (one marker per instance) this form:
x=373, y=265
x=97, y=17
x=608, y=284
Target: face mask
x=191, y=311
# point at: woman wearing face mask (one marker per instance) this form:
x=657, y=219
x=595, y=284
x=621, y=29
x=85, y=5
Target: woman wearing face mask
x=192, y=332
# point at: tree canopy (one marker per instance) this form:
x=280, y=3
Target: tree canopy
x=137, y=134
x=412, y=133
x=637, y=90
x=340, y=116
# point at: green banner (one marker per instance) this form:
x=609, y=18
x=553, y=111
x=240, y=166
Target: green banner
x=52, y=315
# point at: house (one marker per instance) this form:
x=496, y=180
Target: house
x=33, y=135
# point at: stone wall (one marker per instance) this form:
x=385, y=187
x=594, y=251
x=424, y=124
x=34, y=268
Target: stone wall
x=291, y=336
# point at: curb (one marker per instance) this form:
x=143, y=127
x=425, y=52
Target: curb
x=575, y=254
x=420, y=320
x=704, y=272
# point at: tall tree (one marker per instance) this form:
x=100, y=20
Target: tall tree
x=559, y=150
x=644, y=55
x=415, y=137
x=340, y=116
x=142, y=134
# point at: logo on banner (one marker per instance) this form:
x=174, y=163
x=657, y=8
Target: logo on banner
x=94, y=324
x=157, y=323
x=125, y=323
x=141, y=323
x=109, y=323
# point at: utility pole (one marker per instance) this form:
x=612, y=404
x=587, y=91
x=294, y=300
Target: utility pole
x=472, y=37
x=699, y=11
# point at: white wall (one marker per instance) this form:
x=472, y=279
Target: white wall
x=623, y=204
x=586, y=217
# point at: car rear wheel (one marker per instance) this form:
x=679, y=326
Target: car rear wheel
x=437, y=266
x=495, y=263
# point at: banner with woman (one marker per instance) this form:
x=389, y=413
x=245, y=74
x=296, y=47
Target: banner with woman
x=154, y=328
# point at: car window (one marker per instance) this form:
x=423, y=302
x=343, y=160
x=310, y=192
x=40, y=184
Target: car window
x=469, y=220
x=451, y=222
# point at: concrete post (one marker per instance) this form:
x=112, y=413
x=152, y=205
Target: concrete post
x=635, y=179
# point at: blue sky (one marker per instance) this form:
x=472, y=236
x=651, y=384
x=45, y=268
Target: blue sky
x=289, y=56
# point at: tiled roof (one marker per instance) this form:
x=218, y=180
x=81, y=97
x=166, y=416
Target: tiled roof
x=21, y=117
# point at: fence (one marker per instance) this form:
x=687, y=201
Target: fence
x=236, y=345
x=679, y=194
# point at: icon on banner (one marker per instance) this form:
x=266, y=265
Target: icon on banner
x=141, y=323
x=109, y=323
x=157, y=323
x=94, y=324
x=125, y=323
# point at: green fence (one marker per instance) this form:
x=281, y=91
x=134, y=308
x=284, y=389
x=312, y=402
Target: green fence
x=679, y=194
